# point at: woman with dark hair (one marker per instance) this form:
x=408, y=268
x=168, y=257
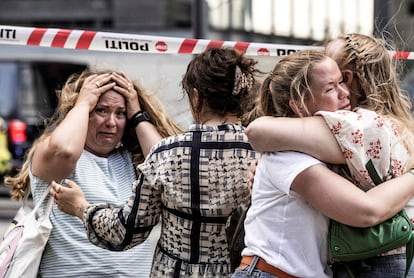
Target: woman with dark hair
x=192, y=181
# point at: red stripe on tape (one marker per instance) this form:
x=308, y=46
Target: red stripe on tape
x=85, y=40
x=187, y=46
x=60, y=38
x=36, y=36
x=401, y=55
x=242, y=46
x=218, y=44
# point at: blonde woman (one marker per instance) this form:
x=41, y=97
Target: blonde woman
x=293, y=190
x=97, y=120
x=382, y=121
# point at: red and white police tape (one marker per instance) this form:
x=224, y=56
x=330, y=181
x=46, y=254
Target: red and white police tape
x=133, y=43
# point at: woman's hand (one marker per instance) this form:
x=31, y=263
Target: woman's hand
x=70, y=198
x=127, y=88
x=92, y=88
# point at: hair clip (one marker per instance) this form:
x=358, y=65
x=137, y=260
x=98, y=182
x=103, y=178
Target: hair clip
x=241, y=81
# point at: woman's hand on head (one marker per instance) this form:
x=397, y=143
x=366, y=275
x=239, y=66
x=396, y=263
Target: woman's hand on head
x=126, y=87
x=70, y=198
x=92, y=88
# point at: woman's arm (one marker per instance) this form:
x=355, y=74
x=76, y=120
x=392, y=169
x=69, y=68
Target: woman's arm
x=309, y=135
x=342, y=201
x=148, y=136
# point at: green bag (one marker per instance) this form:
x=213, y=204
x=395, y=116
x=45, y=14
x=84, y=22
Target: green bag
x=348, y=243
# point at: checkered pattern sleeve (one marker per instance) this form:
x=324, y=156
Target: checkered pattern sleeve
x=123, y=228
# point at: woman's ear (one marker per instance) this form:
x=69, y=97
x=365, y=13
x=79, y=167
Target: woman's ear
x=348, y=77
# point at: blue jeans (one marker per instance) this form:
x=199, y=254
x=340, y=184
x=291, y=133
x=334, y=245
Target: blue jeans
x=246, y=273
x=392, y=266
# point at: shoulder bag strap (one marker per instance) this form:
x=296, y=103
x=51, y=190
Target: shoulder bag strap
x=48, y=209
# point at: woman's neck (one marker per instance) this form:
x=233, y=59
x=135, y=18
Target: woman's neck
x=215, y=120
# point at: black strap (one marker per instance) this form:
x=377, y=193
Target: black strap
x=373, y=172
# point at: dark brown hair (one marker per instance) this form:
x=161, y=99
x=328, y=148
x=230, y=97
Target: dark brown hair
x=224, y=79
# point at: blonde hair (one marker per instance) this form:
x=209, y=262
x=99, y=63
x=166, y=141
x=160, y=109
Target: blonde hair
x=289, y=83
x=376, y=81
x=20, y=183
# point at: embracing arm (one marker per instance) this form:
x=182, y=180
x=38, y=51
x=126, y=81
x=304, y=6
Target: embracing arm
x=309, y=135
x=342, y=201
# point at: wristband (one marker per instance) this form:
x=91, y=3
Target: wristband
x=139, y=117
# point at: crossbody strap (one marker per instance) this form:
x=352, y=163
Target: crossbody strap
x=48, y=209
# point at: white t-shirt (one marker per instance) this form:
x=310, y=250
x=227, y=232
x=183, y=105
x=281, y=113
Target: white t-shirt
x=281, y=227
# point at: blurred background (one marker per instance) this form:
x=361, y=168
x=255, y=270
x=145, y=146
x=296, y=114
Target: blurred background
x=30, y=75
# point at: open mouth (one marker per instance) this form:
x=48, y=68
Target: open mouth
x=108, y=135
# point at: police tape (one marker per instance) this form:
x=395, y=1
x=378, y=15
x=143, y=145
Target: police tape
x=133, y=43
